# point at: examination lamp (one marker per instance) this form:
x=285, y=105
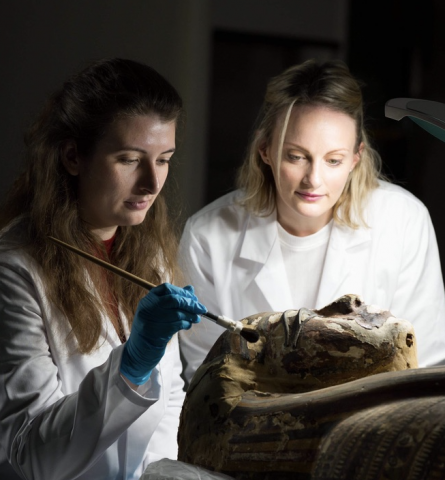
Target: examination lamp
x=427, y=114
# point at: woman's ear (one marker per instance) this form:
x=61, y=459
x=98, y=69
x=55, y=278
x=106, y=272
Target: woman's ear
x=263, y=151
x=70, y=157
x=357, y=155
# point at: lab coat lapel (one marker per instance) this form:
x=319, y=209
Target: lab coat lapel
x=261, y=245
x=339, y=265
x=108, y=332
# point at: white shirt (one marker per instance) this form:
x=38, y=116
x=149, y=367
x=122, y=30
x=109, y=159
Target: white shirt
x=304, y=254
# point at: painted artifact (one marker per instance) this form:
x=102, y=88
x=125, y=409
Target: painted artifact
x=306, y=400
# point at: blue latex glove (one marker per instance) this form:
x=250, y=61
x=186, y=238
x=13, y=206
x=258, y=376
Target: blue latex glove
x=165, y=310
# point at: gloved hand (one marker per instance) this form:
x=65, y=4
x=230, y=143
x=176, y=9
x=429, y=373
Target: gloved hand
x=165, y=310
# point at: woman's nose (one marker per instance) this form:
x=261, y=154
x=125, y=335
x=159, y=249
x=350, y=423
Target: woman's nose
x=149, y=180
x=312, y=177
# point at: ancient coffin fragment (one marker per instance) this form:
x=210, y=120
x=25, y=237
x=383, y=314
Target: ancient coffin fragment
x=260, y=410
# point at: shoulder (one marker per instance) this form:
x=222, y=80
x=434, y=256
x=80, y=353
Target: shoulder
x=13, y=256
x=11, y=251
x=389, y=199
x=222, y=213
x=17, y=266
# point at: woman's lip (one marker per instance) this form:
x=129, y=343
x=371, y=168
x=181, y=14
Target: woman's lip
x=306, y=194
x=137, y=205
x=309, y=196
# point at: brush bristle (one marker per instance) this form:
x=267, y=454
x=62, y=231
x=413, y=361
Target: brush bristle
x=250, y=335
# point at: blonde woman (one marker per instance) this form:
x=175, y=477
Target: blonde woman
x=312, y=219
x=90, y=384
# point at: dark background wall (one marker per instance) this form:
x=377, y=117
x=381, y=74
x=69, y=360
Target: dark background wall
x=219, y=54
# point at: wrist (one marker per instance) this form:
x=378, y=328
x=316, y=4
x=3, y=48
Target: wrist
x=138, y=361
x=132, y=385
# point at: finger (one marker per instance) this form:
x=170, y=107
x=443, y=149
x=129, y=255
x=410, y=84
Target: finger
x=190, y=305
x=187, y=292
x=166, y=289
x=187, y=317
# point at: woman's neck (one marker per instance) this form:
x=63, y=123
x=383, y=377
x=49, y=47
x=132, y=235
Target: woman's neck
x=108, y=244
x=304, y=226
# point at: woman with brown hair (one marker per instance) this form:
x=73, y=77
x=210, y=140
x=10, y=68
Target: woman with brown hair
x=313, y=220
x=89, y=363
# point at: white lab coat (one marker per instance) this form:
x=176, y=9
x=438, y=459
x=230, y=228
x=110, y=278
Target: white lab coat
x=234, y=261
x=64, y=415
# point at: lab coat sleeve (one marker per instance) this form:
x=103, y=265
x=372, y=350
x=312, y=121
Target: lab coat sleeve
x=419, y=296
x=197, y=266
x=44, y=433
x=166, y=433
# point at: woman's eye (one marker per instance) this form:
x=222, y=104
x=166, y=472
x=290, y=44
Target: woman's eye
x=295, y=158
x=334, y=161
x=163, y=161
x=129, y=161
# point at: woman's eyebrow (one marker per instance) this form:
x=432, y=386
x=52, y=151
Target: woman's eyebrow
x=306, y=152
x=141, y=150
x=295, y=145
x=339, y=150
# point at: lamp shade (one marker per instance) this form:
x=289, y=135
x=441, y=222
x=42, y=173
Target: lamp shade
x=427, y=114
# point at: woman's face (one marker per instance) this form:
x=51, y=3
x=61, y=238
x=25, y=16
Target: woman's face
x=318, y=155
x=120, y=180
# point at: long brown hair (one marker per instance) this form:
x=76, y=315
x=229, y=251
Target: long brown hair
x=44, y=196
x=329, y=84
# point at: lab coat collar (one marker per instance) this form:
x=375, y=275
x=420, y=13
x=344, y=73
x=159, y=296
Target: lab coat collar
x=259, y=238
x=339, y=263
x=261, y=245
x=108, y=332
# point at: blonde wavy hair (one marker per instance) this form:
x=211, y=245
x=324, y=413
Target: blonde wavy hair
x=331, y=85
x=45, y=196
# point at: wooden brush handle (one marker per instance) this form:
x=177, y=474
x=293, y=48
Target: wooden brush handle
x=129, y=276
